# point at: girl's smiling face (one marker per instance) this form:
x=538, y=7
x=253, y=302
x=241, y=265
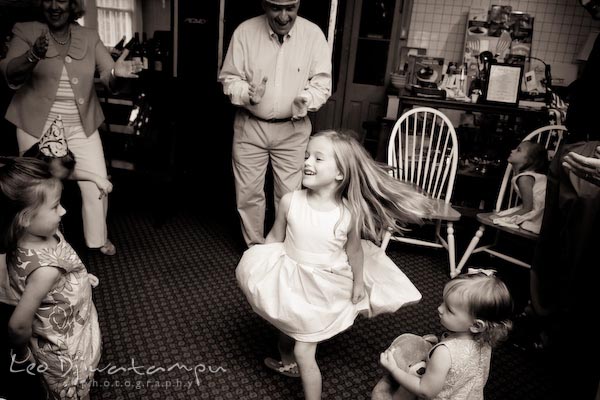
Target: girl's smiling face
x=320, y=167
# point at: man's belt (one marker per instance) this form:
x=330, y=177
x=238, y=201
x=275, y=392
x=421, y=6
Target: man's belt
x=272, y=120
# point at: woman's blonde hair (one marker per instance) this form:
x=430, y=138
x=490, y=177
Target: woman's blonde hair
x=377, y=201
x=485, y=297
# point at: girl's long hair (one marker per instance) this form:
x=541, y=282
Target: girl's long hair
x=377, y=201
x=24, y=185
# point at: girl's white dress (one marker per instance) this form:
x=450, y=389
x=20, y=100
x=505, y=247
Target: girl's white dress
x=303, y=286
x=531, y=221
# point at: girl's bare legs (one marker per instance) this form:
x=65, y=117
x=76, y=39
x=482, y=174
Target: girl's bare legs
x=286, y=348
x=309, y=370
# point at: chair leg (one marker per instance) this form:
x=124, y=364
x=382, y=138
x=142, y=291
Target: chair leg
x=386, y=240
x=451, y=248
x=472, y=245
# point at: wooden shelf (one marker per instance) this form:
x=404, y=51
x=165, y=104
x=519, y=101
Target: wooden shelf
x=119, y=101
x=117, y=128
x=407, y=99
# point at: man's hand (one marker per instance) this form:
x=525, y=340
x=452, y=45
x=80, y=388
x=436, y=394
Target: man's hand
x=299, y=108
x=257, y=92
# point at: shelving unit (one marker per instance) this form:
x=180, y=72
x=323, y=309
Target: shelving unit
x=119, y=141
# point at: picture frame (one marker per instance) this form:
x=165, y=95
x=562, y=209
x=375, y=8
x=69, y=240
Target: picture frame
x=405, y=53
x=503, y=85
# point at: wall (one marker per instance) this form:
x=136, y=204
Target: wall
x=156, y=16
x=560, y=30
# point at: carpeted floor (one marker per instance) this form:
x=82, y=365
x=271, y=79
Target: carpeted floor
x=175, y=325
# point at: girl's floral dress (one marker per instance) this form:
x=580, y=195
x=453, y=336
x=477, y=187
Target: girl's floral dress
x=66, y=337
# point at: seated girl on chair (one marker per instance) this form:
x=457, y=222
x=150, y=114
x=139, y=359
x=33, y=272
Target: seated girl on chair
x=529, y=161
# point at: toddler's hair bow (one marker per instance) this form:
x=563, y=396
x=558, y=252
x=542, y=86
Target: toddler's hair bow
x=488, y=272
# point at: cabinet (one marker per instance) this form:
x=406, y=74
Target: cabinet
x=136, y=141
x=378, y=29
x=368, y=34
x=120, y=141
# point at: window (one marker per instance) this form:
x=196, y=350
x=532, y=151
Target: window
x=115, y=20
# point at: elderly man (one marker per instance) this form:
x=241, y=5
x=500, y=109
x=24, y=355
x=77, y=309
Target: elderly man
x=277, y=68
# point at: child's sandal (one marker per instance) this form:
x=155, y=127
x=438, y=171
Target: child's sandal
x=290, y=370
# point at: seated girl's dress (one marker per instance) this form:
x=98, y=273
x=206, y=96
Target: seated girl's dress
x=469, y=369
x=303, y=286
x=66, y=335
x=532, y=220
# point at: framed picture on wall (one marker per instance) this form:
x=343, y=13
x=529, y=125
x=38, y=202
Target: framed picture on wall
x=405, y=53
x=504, y=84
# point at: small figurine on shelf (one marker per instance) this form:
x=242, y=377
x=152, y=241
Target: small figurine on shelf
x=475, y=90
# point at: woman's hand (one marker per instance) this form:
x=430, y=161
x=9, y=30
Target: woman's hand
x=40, y=46
x=358, y=291
x=587, y=168
x=104, y=186
x=127, y=68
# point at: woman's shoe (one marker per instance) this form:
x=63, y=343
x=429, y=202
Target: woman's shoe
x=108, y=249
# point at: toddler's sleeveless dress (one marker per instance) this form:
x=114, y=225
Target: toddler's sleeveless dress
x=66, y=335
x=469, y=371
x=303, y=286
x=532, y=220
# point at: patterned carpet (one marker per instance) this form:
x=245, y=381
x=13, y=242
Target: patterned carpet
x=175, y=325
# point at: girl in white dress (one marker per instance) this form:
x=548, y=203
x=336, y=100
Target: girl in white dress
x=529, y=161
x=308, y=278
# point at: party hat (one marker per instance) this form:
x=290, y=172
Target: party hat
x=53, y=142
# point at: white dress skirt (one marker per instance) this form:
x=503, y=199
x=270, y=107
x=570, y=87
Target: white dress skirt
x=303, y=286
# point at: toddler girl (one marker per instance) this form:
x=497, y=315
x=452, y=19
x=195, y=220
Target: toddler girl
x=529, y=161
x=54, y=324
x=476, y=311
x=308, y=278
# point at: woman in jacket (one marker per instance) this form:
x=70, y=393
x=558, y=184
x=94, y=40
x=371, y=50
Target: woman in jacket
x=51, y=65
